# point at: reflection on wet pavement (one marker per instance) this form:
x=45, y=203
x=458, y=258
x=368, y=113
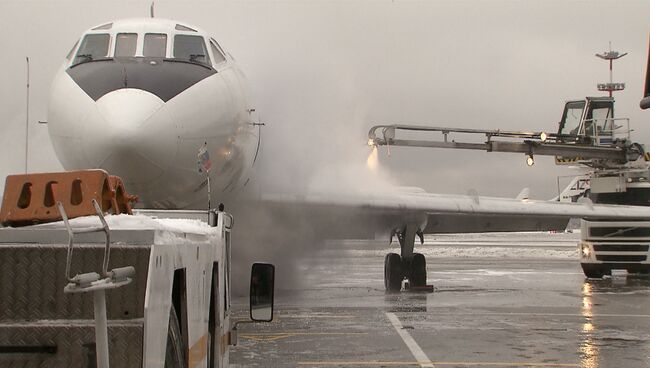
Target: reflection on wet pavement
x=521, y=311
x=597, y=297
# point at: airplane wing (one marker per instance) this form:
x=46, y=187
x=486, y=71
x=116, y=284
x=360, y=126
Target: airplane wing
x=401, y=217
x=346, y=215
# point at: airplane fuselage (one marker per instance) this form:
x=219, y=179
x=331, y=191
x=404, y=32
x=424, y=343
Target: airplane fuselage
x=140, y=97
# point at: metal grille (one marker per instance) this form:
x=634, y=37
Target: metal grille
x=620, y=247
x=620, y=258
x=32, y=281
x=67, y=345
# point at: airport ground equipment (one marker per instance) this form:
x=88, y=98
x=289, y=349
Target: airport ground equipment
x=608, y=245
x=588, y=135
x=175, y=311
x=31, y=198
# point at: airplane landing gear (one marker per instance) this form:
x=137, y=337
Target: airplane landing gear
x=393, y=272
x=397, y=269
x=408, y=265
x=418, y=270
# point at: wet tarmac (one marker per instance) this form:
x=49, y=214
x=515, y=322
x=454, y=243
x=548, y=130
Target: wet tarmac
x=499, y=301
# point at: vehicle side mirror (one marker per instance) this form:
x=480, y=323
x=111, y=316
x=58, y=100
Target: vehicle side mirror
x=645, y=103
x=261, y=292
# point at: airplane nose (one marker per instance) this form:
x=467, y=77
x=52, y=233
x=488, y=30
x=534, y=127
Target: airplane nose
x=130, y=135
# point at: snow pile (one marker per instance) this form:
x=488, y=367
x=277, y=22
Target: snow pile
x=137, y=222
x=468, y=252
x=499, y=252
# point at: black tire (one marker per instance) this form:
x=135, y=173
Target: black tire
x=418, y=270
x=639, y=271
x=175, y=354
x=593, y=271
x=393, y=272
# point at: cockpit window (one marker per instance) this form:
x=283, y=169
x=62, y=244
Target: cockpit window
x=180, y=27
x=93, y=46
x=71, y=52
x=216, y=53
x=125, y=44
x=155, y=45
x=191, y=48
x=103, y=26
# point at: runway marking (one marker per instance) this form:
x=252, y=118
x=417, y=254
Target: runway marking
x=332, y=316
x=274, y=336
x=533, y=314
x=466, y=364
x=418, y=354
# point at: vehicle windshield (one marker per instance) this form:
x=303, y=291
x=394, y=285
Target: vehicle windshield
x=93, y=46
x=191, y=48
x=599, y=119
x=571, y=118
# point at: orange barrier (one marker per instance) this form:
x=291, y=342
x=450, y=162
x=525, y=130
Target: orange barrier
x=31, y=198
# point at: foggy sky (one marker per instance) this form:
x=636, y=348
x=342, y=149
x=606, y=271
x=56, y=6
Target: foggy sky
x=323, y=72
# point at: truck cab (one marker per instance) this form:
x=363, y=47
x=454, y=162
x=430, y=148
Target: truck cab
x=591, y=122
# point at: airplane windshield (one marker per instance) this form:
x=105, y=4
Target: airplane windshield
x=72, y=50
x=155, y=45
x=191, y=48
x=125, y=44
x=93, y=46
x=218, y=56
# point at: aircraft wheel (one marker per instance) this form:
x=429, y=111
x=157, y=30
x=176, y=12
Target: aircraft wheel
x=175, y=354
x=418, y=270
x=639, y=271
x=393, y=272
x=593, y=271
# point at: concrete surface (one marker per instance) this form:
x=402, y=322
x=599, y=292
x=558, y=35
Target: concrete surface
x=517, y=300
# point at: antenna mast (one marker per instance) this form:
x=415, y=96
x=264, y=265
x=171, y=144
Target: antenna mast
x=611, y=86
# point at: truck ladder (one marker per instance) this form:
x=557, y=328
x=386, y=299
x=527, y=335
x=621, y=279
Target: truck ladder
x=92, y=281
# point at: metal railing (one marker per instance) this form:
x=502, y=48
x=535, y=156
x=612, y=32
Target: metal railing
x=615, y=132
x=91, y=281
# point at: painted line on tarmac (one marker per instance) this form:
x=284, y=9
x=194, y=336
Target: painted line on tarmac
x=325, y=316
x=274, y=336
x=466, y=364
x=534, y=314
x=413, y=346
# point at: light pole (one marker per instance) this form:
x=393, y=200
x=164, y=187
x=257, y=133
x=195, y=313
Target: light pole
x=611, y=86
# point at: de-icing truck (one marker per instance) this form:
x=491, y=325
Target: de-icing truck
x=117, y=290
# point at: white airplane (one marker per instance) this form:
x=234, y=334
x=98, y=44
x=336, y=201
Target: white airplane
x=139, y=97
